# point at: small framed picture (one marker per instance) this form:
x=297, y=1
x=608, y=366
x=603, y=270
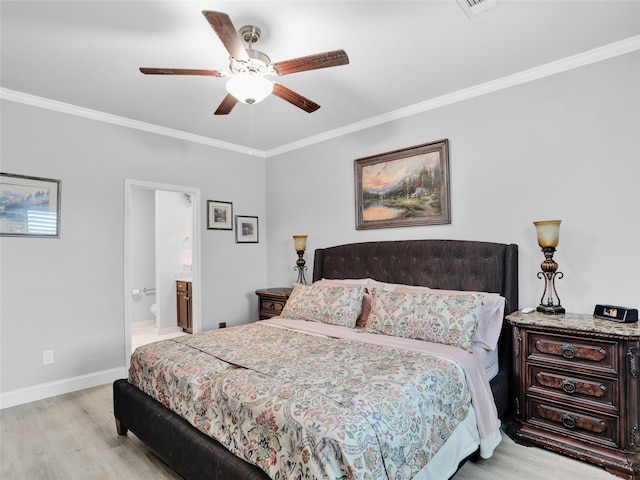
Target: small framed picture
x=29, y=206
x=246, y=229
x=219, y=215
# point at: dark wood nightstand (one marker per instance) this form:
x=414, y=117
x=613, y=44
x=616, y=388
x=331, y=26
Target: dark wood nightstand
x=271, y=301
x=577, y=388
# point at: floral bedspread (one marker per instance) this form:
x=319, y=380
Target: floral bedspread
x=305, y=406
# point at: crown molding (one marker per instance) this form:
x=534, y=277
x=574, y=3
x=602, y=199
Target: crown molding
x=586, y=58
x=576, y=61
x=99, y=116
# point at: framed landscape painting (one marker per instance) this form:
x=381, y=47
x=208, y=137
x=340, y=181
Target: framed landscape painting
x=29, y=206
x=403, y=188
x=219, y=215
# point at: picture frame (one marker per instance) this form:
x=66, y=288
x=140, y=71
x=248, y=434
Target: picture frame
x=246, y=229
x=403, y=188
x=219, y=215
x=29, y=206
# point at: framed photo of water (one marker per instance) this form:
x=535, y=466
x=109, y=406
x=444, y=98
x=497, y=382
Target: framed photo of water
x=403, y=188
x=29, y=206
x=219, y=215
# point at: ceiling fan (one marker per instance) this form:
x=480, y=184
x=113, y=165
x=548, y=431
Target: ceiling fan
x=247, y=82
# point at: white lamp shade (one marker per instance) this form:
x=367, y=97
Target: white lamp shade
x=249, y=88
x=548, y=233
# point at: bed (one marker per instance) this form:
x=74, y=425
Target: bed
x=450, y=265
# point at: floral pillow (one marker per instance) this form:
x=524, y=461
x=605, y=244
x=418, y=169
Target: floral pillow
x=337, y=305
x=490, y=314
x=450, y=319
x=361, y=321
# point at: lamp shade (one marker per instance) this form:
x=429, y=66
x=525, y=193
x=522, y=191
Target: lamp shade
x=300, y=242
x=249, y=87
x=548, y=233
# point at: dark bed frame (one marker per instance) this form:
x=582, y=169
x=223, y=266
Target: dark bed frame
x=442, y=264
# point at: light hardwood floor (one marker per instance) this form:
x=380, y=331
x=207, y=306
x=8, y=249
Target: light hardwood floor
x=73, y=437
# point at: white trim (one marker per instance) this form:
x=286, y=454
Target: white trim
x=569, y=63
x=197, y=255
x=70, y=109
x=60, y=387
x=591, y=56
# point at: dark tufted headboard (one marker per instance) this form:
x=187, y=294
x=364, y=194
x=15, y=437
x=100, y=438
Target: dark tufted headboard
x=442, y=264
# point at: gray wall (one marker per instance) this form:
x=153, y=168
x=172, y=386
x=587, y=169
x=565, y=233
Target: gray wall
x=67, y=294
x=564, y=147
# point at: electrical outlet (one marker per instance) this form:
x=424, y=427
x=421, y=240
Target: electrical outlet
x=47, y=357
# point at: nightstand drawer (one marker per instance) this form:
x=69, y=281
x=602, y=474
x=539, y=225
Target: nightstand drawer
x=588, y=426
x=272, y=306
x=566, y=386
x=580, y=351
x=271, y=301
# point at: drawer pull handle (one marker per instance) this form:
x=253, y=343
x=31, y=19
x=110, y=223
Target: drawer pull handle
x=568, y=351
x=569, y=421
x=568, y=386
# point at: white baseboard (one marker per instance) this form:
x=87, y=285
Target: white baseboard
x=60, y=387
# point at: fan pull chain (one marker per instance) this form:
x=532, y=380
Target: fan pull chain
x=250, y=129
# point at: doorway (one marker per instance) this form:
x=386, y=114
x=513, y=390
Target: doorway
x=172, y=213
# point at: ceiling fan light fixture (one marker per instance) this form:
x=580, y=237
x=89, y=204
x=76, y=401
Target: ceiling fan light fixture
x=249, y=88
x=248, y=67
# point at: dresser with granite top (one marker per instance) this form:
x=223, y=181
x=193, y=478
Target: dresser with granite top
x=576, y=388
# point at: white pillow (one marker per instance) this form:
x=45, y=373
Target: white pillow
x=347, y=281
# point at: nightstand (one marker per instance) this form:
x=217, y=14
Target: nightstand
x=577, y=388
x=271, y=301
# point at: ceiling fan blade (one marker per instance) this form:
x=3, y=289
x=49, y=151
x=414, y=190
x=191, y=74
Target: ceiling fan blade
x=227, y=105
x=222, y=25
x=179, y=71
x=294, y=98
x=312, y=62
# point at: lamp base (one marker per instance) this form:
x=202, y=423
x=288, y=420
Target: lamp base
x=551, y=309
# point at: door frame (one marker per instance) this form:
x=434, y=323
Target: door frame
x=195, y=247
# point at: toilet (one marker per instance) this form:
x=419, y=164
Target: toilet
x=154, y=310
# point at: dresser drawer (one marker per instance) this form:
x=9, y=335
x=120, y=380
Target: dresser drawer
x=597, y=354
x=585, y=425
x=567, y=386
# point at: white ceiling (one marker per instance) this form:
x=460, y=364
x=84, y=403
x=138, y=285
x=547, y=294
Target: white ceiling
x=405, y=56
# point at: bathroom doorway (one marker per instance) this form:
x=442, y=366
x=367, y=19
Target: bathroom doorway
x=161, y=246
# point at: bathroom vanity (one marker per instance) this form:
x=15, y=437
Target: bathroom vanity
x=184, y=299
